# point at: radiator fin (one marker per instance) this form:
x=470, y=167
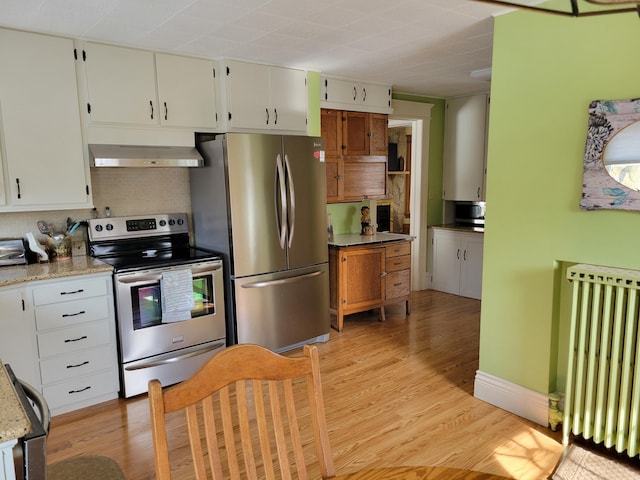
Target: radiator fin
x=602, y=400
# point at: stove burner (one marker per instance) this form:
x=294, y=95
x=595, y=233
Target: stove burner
x=145, y=242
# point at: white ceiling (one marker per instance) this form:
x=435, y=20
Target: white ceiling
x=426, y=47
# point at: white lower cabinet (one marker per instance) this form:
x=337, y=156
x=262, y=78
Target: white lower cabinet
x=75, y=331
x=457, y=262
x=18, y=335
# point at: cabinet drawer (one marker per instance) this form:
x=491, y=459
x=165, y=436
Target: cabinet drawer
x=73, y=339
x=76, y=364
x=71, y=290
x=398, y=249
x=69, y=313
x=393, y=264
x=398, y=284
x=80, y=389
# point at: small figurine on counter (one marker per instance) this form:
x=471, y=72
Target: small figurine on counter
x=365, y=221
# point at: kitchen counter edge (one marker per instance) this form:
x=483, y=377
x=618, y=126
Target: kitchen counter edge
x=459, y=228
x=81, y=265
x=354, y=239
x=14, y=422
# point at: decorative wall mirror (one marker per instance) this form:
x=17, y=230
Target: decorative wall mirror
x=612, y=156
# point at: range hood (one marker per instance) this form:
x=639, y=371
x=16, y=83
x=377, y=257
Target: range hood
x=144, y=156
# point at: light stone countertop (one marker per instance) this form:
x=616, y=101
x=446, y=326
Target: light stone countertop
x=80, y=265
x=459, y=228
x=353, y=239
x=14, y=422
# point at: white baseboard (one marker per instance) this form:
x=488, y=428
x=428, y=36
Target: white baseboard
x=513, y=398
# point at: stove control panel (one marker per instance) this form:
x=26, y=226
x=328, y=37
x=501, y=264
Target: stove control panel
x=113, y=228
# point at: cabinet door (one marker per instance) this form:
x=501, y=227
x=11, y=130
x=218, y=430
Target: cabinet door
x=355, y=133
x=335, y=174
x=379, y=134
x=361, y=277
x=446, y=262
x=375, y=96
x=340, y=91
x=248, y=95
x=18, y=339
x=288, y=101
x=365, y=178
x=331, y=130
x=464, y=148
x=471, y=271
x=40, y=127
x=121, y=85
x=186, y=90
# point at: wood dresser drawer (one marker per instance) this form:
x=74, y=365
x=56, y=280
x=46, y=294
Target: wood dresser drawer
x=76, y=364
x=397, y=249
x=393, y=264
x=64, y=314
x=398, y=284
x=63, y=291
x=73, y=339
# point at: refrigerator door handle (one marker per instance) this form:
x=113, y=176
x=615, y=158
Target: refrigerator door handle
x=283, y=281
x=281, y=189
x=292, y=201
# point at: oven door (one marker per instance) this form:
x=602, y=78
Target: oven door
x=146, y=331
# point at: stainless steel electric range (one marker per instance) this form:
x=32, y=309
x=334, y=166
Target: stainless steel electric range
x=169, y=297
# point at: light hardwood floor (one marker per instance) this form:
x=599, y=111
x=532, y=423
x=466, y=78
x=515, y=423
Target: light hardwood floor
x=398, y=392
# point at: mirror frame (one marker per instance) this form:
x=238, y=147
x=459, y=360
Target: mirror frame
x=599, y=190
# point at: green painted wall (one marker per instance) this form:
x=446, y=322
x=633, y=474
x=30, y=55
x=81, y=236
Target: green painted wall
x=313, y=100
x=346, y=216
x=546, y=70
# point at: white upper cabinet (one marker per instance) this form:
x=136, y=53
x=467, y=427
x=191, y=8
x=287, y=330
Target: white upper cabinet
x=465, y=135
x=40, y=132
x=264, y=97
x=345, y=94
x=138, y=87
x=186, y=89
x=121, y=85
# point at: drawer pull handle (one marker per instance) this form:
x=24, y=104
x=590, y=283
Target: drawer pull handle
x=86, y=362
x=397, y=284
x=72, y=293
x=71, y=392
x=68, y=340
x=81, y=312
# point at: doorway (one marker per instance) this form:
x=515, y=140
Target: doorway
x=416, y=118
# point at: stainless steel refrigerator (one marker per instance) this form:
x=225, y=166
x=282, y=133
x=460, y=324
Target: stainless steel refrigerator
x=260, y=201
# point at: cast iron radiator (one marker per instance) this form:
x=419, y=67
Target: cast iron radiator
x=602, y=400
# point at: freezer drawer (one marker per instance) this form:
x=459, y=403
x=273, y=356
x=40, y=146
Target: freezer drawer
x=283, y=310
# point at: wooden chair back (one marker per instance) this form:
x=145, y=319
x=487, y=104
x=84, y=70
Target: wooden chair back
x=247, y=412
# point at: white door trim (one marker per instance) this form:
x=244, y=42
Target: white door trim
x=419, y=114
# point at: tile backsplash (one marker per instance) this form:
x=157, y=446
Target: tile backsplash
x=126, y=191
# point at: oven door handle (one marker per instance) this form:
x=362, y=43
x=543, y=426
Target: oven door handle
x=165, y=361
x=142, y=277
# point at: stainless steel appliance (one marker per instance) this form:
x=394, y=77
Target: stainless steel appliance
x=470, y=213
x=30, y=453
x=12, y=252
x=260, y=200
x=169, y=297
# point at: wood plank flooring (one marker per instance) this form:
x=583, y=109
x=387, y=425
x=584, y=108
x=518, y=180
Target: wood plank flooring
x=398, y=392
